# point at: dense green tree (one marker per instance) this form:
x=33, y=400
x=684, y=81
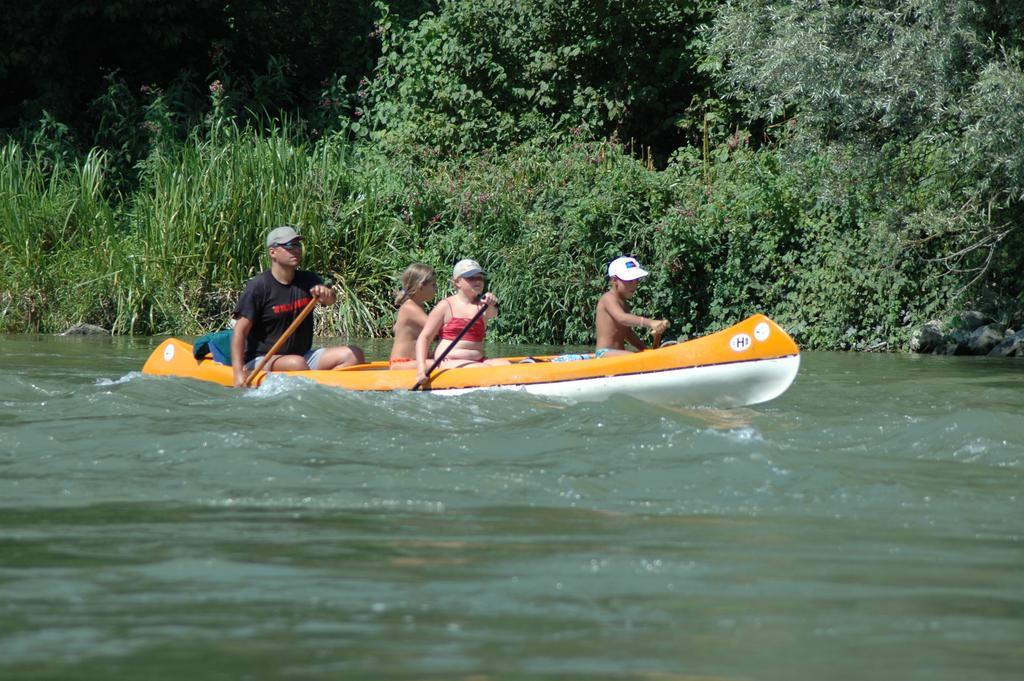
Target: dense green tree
x=484, y=73
x=856, y=69
x=929, y=93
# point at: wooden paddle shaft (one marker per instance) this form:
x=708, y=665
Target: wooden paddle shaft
x=281, y=341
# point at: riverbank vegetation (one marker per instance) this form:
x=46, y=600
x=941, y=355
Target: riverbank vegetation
x=852, y=169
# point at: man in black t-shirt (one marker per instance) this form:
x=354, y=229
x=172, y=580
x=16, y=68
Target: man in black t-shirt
x=270, y=303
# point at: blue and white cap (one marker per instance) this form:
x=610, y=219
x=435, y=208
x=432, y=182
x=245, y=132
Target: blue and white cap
x=626, y=269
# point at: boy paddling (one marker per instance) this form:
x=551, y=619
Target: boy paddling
x=614, y=320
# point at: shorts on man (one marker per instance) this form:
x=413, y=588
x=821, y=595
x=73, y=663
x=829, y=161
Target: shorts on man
x=312, y=359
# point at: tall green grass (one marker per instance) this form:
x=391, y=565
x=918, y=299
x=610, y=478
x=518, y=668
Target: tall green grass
x=60, y=242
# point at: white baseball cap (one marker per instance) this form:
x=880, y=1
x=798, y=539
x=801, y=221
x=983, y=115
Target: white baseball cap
x=626, y=269
x=466, y=268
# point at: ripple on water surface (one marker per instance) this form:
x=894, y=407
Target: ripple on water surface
x=864, y=525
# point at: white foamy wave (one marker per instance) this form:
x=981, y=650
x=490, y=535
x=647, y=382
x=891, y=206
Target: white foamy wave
x=331, y=502
x=278, y=384
x=747, y=434
x=127, y=378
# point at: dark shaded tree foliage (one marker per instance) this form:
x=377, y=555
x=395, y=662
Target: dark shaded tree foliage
x=58, y=54
x=274, y=55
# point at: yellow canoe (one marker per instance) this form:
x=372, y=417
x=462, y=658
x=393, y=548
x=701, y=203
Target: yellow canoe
x=750, y=362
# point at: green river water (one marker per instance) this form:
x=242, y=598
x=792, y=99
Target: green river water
x=868, y=524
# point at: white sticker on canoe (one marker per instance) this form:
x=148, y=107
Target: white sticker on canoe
x=761, y=331
x=168, y=353
x=740, y=342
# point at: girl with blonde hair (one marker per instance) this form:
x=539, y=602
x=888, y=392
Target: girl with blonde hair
x=419, y=285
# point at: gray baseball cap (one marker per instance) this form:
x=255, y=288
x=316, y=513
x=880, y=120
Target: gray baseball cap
x=282, y=235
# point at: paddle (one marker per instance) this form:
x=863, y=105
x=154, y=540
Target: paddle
x=451, y=345
x=280, y=341
x=656, y=341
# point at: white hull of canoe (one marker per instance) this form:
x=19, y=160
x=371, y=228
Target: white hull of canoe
x=735, y=384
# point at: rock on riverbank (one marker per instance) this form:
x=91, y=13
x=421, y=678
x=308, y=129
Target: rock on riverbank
x=971, y=333
x=86, y=330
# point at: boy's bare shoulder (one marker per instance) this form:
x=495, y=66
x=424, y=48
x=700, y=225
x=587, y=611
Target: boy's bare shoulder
x=610, y=301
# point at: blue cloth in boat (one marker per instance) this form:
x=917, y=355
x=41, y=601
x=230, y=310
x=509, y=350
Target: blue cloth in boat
x=571, y=357
x=217, y=344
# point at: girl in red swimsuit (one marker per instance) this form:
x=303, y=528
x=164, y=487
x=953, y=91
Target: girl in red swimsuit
x=451, y=316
